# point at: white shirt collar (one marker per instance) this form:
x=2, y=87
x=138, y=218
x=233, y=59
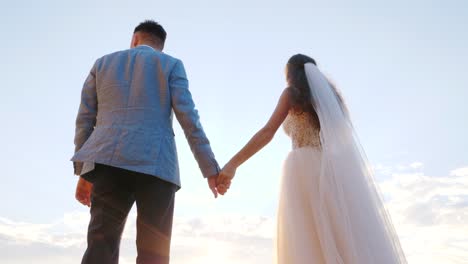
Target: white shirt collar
x=143, y=45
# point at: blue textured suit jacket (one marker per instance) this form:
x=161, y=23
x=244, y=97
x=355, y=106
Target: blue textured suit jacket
x=126, y=111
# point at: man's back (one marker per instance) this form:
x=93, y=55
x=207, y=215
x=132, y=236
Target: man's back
x=131, y=83
x=133, y=91
x=129, y=97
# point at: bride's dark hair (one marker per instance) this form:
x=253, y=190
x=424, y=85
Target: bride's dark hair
x=299, y=86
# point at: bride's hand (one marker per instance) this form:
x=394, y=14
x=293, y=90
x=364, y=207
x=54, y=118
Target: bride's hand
x=227, y=173
x=225, y=177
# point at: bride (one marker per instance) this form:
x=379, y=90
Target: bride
x=330, y=211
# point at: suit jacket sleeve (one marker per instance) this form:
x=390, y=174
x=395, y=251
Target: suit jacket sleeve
x=86, y=119
x=187, y=115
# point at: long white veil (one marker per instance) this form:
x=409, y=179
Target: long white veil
x=355, y=227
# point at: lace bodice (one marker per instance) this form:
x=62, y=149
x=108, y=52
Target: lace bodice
x=303, y=130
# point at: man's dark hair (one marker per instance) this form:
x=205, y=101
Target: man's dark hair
x=153, y=29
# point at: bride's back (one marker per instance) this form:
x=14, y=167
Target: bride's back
x=303, y=128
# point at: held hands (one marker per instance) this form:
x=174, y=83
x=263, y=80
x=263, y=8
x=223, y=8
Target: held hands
x=225, y=177
x=219, y=184
x=83, y=192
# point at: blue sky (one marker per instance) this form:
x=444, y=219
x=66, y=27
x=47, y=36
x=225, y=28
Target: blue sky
x=401, y=67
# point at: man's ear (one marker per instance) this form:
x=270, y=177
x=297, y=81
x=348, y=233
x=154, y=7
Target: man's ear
x=135, y=40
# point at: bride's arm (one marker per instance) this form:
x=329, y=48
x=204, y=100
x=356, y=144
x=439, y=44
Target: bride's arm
x=259, y=140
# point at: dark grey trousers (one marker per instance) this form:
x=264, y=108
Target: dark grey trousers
x=114, y=192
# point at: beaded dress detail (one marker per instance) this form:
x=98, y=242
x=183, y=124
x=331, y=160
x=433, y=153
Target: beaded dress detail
x=303, y=130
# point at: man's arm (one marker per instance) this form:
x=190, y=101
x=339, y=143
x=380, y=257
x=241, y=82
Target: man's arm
x=187, y=115
x=86, y=119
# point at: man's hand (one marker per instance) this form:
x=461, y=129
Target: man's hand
x=212, y=184
x=83, y=192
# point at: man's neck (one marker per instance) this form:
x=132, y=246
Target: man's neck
x=150, y=45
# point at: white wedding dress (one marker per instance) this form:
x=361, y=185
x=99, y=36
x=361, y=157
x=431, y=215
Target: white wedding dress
x=297, y=238
x=329, y=209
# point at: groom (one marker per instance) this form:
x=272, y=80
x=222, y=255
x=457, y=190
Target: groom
x=125, y=150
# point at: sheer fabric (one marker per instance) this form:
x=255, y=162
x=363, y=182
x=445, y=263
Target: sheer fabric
x=330, y=210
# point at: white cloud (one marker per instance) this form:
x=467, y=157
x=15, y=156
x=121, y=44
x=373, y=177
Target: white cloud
x=460, y=172
x=429, y=213
x=233, y=238
x=230, y=238
x=65, y=232
x=416, y=165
